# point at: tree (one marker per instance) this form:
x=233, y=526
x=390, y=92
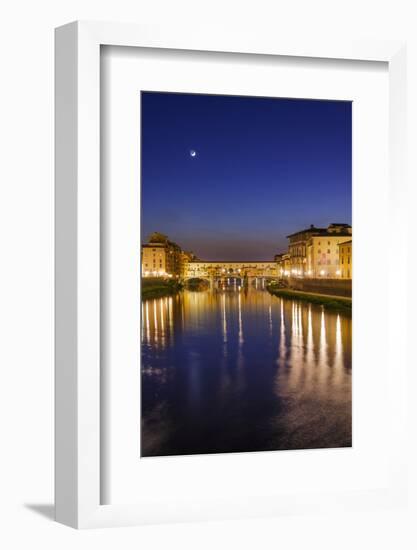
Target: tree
x=158, y=238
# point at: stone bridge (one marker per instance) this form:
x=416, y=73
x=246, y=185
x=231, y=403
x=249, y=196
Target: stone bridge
x=216, y=271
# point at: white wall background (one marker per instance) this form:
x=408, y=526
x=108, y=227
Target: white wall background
x=26, y=272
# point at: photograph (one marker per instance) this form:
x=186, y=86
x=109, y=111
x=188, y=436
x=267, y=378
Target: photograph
x=183, y=365
x=246, y=274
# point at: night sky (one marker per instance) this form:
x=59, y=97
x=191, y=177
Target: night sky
x=263, y=168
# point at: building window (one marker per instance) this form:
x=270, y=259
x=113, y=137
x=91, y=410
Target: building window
x=328, y=251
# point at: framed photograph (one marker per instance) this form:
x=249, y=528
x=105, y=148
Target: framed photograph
x=226, y=335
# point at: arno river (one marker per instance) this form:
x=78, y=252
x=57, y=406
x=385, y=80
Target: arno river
x=240, y=370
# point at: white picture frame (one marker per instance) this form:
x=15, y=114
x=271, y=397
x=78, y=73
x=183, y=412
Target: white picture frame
x=78, y=405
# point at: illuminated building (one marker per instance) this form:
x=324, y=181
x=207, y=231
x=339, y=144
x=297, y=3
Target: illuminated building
x=186, y=258
x=297, y=250
x=345, y=259
x=161, y=257
x=284, y=264
x=314, y=252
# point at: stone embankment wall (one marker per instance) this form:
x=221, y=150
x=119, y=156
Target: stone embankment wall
x=336, y=287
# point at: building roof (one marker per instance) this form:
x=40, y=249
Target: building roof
x=310, y=229
x=332, y=235
x=317, y=231
x=345, y=242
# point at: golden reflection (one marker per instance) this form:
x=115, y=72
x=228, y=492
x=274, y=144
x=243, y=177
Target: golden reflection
x=224, y=322
x=310, y=340
x=171, y=319
x=240, y=320
x=323, y=341
x=316, y=351
x=309, y=349
x=162, y=315
x=293, y=323
x=296, y=349
x=142, y=323
x=339, y=345
x=155, y=320
x=240, y=380
x=300, y=324
x=227, y=340
x=338, y=353
x=148, y=328
x=282, y=343
x=323, y=363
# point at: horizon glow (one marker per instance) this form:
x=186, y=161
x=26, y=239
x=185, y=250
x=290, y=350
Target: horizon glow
x=263, y=168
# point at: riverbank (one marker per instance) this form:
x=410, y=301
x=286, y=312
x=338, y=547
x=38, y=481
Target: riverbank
x=156, y=287
x=330, y=302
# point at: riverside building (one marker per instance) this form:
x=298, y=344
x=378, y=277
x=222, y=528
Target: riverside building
x=345, y=259
x=283, y=264
x=297, y=250
x=161, y=257
x=314, y=252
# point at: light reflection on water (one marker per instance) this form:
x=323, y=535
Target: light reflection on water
x=240, y=370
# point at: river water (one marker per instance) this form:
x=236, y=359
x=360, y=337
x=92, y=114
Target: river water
x=235, y=369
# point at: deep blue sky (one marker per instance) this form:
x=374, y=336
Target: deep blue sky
x=264, y=168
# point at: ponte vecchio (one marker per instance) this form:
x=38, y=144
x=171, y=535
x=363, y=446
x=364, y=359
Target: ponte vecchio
x=215, y=270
